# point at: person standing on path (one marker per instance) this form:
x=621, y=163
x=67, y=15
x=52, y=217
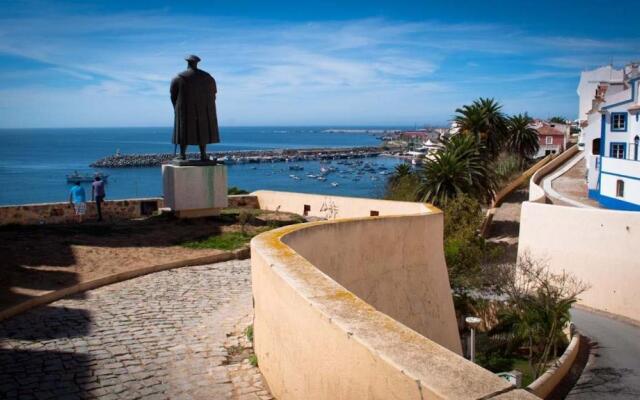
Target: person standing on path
x=97, y=194
x=78, y=199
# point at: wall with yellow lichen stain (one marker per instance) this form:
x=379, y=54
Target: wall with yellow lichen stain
x=360, y=308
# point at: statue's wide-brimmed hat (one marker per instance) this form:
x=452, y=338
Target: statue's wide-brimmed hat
x=193, y=58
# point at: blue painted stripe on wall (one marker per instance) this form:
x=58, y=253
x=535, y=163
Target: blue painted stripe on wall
x=617, y=204
x=603, y=143
x=633, y=95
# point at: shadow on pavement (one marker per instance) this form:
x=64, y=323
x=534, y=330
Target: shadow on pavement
x=47, y=323
x=40, y=258
x=37, y=359
x=594, y=383
x=44, y=374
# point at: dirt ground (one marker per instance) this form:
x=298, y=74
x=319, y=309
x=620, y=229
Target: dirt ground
x=38, y=259
x=505, y=227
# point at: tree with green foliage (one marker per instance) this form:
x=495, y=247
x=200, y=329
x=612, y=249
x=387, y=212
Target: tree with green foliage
x=402, y=184
x=558, y=120
x=538, y=311
x=463, y=247
x=400, y=171
x=460, y=167
x=522, y=138
x=484, y=120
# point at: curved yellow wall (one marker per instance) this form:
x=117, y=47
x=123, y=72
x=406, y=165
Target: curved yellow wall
x=360, y=308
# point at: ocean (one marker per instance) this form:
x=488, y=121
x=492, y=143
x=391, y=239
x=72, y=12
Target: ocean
x=34, y=162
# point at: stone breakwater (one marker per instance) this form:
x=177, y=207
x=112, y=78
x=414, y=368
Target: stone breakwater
x=238, y=157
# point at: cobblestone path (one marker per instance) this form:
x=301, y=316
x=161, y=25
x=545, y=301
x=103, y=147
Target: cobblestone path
x=172, y=334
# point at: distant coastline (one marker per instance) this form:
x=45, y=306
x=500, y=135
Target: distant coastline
x=241, y=157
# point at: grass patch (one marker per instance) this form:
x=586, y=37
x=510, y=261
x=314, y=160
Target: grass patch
x=249, y=333
x=498, y=363
x=225, y=241
x=522, y=365
x=253, y=360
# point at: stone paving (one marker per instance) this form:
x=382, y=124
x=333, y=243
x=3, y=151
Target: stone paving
x=573, y=185
x=172, y=334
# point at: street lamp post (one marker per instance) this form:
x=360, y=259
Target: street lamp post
x=473, y=323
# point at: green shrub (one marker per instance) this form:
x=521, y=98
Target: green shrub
x=245, y=217
x=506, y=168
x=495, y=362
x=464, y=249
x=249, y=333
x=402, y=188
x=253, y=360
x=234, y=190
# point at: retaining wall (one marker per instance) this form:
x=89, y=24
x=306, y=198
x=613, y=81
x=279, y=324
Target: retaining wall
x=592, y=244
x=536, y=192
x=243, y=201
x=595, y=245
x=360, y=307
x=547, y=382
x=55, y=213
x=335, y=207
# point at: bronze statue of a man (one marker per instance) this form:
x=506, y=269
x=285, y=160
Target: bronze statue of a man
x=193, y=94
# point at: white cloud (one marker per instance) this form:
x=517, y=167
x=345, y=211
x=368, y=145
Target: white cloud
x=371, y=70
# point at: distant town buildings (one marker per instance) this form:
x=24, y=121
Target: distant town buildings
x=609, y=112
x=552, y=137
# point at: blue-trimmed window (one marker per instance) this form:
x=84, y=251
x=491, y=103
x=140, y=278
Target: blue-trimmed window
x=618, y=150
x=619, y=121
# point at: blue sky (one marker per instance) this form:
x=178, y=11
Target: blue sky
x=81, y=64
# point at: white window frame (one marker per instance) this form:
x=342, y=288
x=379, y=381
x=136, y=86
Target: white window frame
x=548, y=140
x=618, y=150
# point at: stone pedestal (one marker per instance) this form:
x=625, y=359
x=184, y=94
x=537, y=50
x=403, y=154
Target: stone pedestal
x=195, y=191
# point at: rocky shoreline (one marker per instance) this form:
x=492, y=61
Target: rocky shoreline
x=240, y=157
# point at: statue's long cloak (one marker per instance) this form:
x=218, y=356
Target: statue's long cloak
x=193, y=94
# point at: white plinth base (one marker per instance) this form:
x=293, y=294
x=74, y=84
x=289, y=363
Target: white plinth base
x=195, y=191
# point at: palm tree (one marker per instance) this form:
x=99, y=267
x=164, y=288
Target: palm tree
x=399, y=172
x=495, y=125
x=522, y=139
x=470, y=119
x=460, y=167
x=484, y=120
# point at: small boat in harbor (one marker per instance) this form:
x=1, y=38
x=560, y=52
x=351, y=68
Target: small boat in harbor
x=78, y=177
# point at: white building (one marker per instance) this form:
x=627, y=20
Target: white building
x=609, y=115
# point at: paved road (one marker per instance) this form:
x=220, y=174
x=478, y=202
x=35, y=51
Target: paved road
x=159, y=336
x=613, y=370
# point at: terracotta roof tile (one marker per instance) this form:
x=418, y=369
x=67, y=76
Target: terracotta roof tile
x=547, y=130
